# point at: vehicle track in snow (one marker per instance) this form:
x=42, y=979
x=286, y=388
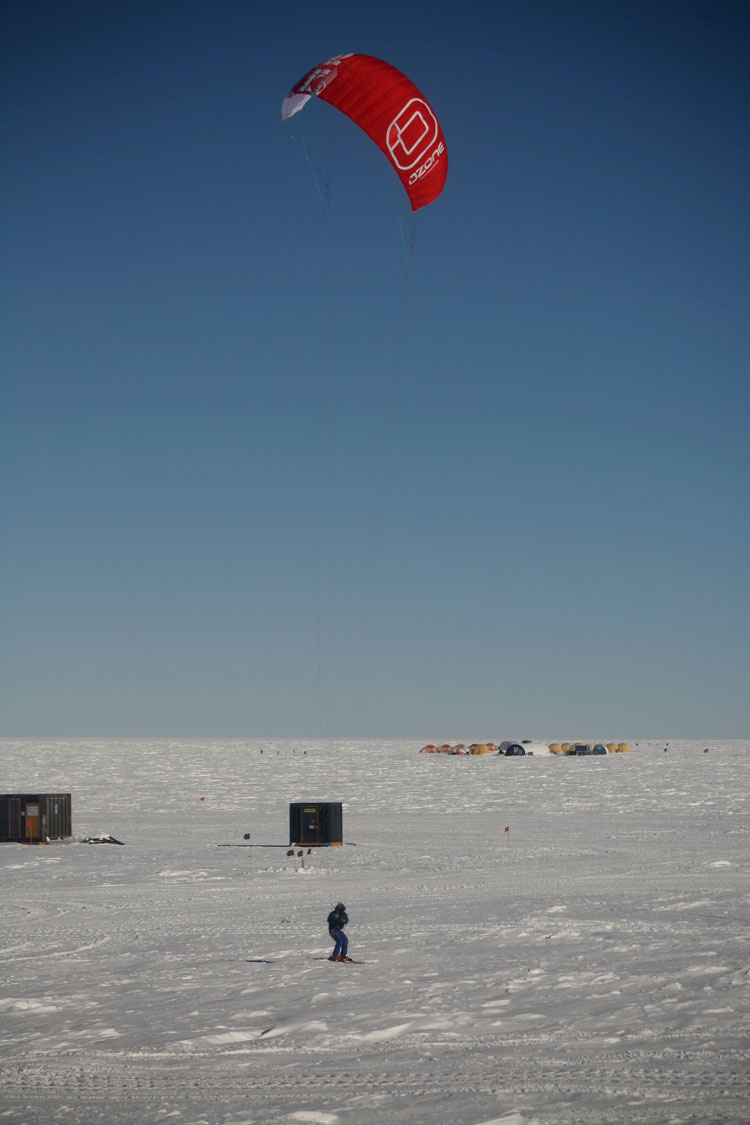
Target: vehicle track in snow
x=581, y=1086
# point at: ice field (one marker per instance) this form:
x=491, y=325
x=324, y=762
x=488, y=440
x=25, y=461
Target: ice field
x=591, y=965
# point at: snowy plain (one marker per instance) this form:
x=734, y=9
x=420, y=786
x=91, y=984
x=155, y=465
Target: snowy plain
x=591, y=965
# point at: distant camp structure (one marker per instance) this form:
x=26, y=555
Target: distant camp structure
x=526, y=747
x=511, y=749
x=34, y=818
x=585, y=749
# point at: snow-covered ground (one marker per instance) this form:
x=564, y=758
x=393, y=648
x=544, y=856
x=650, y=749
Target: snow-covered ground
x=591, y=965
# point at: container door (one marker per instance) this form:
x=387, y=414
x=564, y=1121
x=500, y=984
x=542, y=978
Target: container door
x=53, y=818
x=65, y=816
x=7, y=829
x=310, y=824
x=33, y=829
x=335, y=833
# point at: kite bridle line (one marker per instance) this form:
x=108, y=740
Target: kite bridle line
x=326, y=626
x=324, y=454
x=386, y=458
x=324, y=200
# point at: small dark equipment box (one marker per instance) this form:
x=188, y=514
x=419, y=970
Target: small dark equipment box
x=316, y=824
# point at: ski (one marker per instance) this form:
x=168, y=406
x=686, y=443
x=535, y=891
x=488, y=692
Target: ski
x=351, y=961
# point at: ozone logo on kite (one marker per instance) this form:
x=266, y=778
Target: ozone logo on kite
x=390, y=109
x=428, y=164
x=411, y=133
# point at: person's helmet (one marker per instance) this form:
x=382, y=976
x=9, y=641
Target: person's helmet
x=340, y=904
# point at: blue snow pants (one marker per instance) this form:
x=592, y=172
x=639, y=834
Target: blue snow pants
x=342, y=942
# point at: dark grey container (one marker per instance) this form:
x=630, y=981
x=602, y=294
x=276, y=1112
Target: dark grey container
x=316, y=824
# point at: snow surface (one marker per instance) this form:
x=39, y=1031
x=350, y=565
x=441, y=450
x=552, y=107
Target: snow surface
x=590, y=965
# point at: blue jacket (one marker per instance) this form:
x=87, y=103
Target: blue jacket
x=337, y=919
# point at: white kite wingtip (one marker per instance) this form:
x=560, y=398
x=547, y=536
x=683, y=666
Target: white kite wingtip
x=292, y=104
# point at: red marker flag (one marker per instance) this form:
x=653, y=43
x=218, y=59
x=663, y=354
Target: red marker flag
x=507, y=829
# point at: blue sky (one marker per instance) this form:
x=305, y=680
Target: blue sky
x=259, y=479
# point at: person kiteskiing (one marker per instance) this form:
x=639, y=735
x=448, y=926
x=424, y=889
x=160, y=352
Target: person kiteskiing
x=337, y=919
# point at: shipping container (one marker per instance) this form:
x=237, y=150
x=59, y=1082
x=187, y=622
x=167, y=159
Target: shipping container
x=34, y=818
x=316, y=823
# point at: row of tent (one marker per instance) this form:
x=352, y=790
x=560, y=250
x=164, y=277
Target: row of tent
x=527, y=748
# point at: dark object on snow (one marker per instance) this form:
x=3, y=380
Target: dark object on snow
x=514, y=750
x=104, y=838
x=27, y=818
x=317, y=824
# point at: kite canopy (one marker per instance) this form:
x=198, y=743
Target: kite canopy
x=390, y=109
